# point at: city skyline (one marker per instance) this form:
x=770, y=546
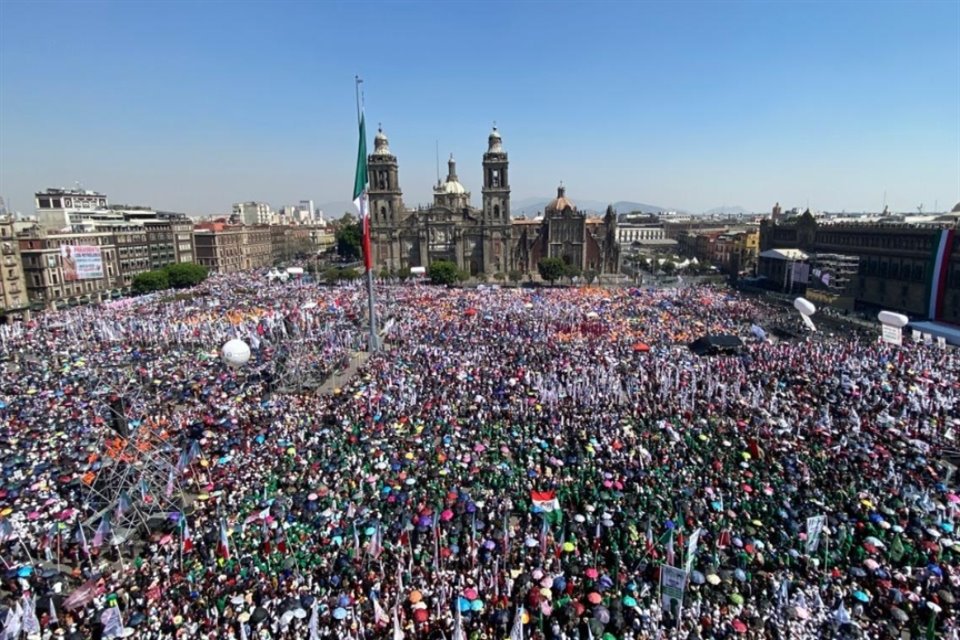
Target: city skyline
x=696, y=106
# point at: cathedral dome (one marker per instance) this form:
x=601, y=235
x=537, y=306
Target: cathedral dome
x=956, y=208
x=495, y=143
x=381, y=146
x=452, y=184
x=561, y=202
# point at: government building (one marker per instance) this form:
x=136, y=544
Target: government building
x=910, y=267
x=485, y=240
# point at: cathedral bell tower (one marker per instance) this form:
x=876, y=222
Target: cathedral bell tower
x=496, y=185
x=386, y=199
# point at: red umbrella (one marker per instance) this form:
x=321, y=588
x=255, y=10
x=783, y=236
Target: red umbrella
x=470, y=312
x=641, y=347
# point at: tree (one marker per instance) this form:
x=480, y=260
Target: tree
x=499, y=276
x=349, y=237
x=515, y=275
x=589, y=275
x=349, y=274
x=669, y=267
x=482, y=277
x=552, y=269
x=185, y=274
x=404, y=273
x=150, y=281
x=643, y=263
x=443, y=272
x=385, y=273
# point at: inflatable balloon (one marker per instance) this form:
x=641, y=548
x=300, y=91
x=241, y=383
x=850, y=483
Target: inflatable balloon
x=893, y=319
x=236, y=353
x=804, y=306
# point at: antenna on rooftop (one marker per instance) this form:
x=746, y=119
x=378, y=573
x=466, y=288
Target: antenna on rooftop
x=438, y=160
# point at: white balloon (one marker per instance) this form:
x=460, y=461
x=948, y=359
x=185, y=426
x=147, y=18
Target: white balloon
x=804, y=306
x=893, y=319
x=236, y=353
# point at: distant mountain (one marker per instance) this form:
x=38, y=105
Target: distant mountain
x=726, y=210
x=533, y=206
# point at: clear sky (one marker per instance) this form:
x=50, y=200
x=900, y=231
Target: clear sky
x=191, y=106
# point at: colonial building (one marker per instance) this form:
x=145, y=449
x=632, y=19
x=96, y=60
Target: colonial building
x=565, y=232
x=13, y=287
x=477, y=240
x=912, y=268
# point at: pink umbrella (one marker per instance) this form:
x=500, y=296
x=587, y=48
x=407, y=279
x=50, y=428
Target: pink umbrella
x=591, y=573
x=446, y=515
x=470, y=593
x=871, y=564
x=952, y=497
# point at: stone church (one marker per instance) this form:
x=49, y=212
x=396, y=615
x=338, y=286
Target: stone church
x=485, y=240
x=477, y=240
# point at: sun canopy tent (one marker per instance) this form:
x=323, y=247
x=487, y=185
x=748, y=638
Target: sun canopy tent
x=716, y=343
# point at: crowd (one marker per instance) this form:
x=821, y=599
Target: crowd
x=512, y=463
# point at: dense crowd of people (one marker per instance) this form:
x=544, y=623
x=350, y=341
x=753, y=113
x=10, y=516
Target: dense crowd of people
x=512, y=463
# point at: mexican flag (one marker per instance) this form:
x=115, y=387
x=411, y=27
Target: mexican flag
x=546, y=502
x=360, y=194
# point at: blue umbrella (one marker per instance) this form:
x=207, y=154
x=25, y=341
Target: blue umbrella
x=339, y=613
x=861, y=596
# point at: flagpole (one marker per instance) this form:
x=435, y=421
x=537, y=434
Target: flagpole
x=365, y=228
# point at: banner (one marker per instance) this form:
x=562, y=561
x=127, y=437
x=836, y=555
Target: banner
x=673, y=582
x=814, y=529
x=81, y=262
x=801, y=273
x=892, y=335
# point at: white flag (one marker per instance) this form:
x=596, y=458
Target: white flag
x=314, y=623
x=13, y=624
x=692, y=548
x=397, y=631
x=112, y=622
x=517, y=632
x=30, y=622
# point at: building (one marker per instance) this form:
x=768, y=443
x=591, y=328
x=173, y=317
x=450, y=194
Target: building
x=253, y=212
x=785, y=270
x=13, y=286
x=58, y=208
x=477, y=240
x=54, y=275
x=910, y=268
x=256, y=248
x=565, y=232
x=219, y=246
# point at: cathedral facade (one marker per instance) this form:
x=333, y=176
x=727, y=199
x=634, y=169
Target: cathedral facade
x=476, y=240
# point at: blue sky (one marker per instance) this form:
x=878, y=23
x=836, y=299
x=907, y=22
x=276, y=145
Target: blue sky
x=191, y=106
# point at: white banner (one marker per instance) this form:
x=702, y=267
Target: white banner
x=892, y=335
x=916, y=335
x=814, y=528
x=673, y=582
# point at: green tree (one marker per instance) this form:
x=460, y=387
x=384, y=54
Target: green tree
x=643, y=263
x=515, y=276
x=185, y=274
x=482, y=277
x=590, y=275
x=150, y=281
x=669, y=267
x=499, y=276
x=552, y=269
x=404, y=273
x=349, y=274
x=443, y=272
x=348, y=237
x=385, y=273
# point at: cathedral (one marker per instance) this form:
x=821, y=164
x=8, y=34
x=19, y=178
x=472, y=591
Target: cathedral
x=477, y=240
x=485, y=240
